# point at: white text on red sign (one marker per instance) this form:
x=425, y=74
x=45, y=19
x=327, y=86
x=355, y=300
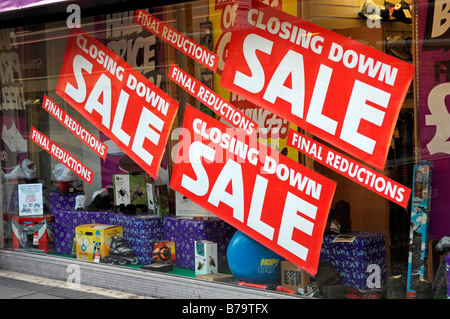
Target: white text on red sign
x=177, y=40
x=277, y=201
x=117, y=99
x=335, y=88
x=62, y=156
x=72, y=125
x=214, y=101
x=351, y=169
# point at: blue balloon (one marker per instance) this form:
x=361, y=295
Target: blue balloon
x=252, y=262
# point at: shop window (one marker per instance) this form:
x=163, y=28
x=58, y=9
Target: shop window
x=94, y=140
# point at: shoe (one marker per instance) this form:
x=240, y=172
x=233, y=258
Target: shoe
x=120, y=253
x=13, y=139
x=63, y=174
x=29, y=168
x=443, y=244
x=17, y=172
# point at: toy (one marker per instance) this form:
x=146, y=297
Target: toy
x=205, y=257
x=162, y=254
x=420, y=212
x=252, y=262
x=164, y=251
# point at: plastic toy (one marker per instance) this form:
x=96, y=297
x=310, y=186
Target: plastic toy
x=250, y=261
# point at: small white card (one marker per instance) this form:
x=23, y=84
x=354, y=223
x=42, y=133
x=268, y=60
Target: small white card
x=30, y=199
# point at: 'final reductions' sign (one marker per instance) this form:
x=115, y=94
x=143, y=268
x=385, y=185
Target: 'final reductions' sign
x=270, y=197
x=176, y=39
x=117, y=99
x=340, y=90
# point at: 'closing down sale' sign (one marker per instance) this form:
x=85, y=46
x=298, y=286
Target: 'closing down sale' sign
x=340, y=90
x=270, y=197
x=117, y=99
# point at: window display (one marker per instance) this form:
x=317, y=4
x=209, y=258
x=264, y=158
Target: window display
x=279, y=145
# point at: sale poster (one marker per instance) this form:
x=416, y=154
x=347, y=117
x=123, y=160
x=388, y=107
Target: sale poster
x=351, y=169
x=144, y=51
x=270, y=197
x=272, y=129
x=176, y=39
x=215, y=102
x=295, y=69
x=127, y=107
x=64, y=157
x=76, y=128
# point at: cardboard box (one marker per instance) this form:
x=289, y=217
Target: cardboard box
x=67, y=221
x=185, y=231
x=354, y=254
x=140, y=232
x=205, y=257
x=184, y=207
x=294, y=278
x=93, y=240
x=62, y=202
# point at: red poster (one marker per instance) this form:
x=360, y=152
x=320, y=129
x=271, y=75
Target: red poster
x=176, y=39
x=351, y=169
x=62, y=156
x=117, y=99
x=76, y=128
x=273, y=199
x=212, y=100
x=340, y=90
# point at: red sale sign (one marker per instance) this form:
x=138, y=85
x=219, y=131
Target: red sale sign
x=214, y=101
x=270, y=197
x=76, y=128
x=351, y=169
x=340, y=90
x=176, y=39
x=117, y=99
x=62, y=155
